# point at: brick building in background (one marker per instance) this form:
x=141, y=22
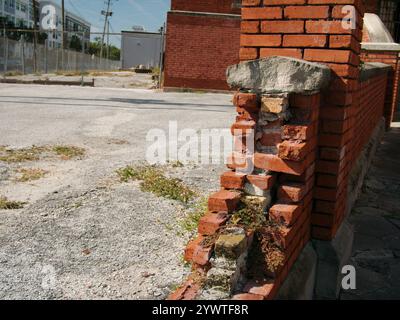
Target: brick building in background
x=203, y=40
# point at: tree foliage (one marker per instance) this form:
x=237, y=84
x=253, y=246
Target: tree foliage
x=95, y=48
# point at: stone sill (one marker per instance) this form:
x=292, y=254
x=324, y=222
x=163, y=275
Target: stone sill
x=380, y=46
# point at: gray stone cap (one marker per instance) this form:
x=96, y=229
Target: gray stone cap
x=380, y=46
x=380, y=38
x=377, y=31
x=373, y=69
x=278, y=74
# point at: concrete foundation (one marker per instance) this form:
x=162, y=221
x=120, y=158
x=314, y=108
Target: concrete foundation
x=332, y=256
x=299, y=285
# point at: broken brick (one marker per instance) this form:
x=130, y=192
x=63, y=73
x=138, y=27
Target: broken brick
x=292, y=192
x=191, y=247
x=274, y=163
x=292, y=150
x=224, y=201
x=265, y=288
x=233, y=180
x=187, y=291
x=264, y=182
x=211, y=223
x=285, y=213
x=247, y=101
x=202, y=255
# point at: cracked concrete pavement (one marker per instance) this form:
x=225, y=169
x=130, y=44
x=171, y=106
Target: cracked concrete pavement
x=376, y=220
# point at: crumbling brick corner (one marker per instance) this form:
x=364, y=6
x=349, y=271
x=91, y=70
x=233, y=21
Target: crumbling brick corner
x=300, y=132
x=259, y=222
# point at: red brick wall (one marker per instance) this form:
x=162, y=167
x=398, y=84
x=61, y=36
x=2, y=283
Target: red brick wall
x=392, y=91
x=199, y=48
x=369, y=111
x=214, y=6
x=312, y=30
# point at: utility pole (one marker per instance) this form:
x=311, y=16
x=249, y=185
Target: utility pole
x=108, y=40
x=107, y=14
x=62, y=32
x=35, y=33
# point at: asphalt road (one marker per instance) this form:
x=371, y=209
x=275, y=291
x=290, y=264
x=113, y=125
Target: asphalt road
x=83, y=234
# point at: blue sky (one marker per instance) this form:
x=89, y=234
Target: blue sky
x=148, y=13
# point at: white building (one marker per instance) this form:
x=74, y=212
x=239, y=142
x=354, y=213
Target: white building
x=74, y=25
x=141, y=48
x=20, y=13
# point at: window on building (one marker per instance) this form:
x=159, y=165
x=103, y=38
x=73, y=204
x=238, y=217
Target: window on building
x=389, y=12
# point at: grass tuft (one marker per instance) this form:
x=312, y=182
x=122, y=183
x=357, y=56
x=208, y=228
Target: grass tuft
x=26, y=175
x=153, y=180
x=190, y=222
x=250, y=214
x=20, y=155
x=68, y=152
x=6, y=204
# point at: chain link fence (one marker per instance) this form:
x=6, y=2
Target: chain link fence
x=18, y=57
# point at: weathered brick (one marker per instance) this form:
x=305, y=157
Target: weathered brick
x=247, y=101
x=248, y=54
x=187, y=291
x=243, y=127
x=298, y=132
x=282, y=26
x=202, y=255
x=191, y=248
x=233, y=180
x=323, y=55
x=263, y=288
x=293, y=192
x=285, y=52
x=274, y=163
x=304, y=40
x=292, y=150
x=285, y=213
x=223, y=201
x=260, y=40
x=261, y=13
x=244, y=115
x=306, y=12
x=238, y=161
x=326, y=27
x=250, y=26
x=211, y=223
x=264, y=182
